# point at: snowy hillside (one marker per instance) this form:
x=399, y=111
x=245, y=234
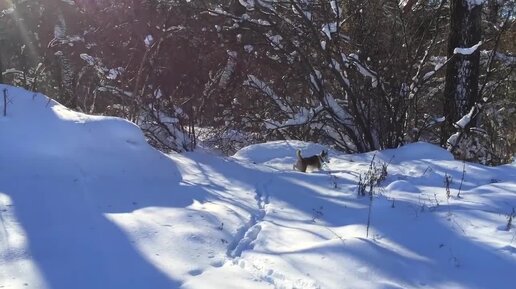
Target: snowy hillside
x=85, y=202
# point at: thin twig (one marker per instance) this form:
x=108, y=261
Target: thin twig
x=462, y=178
x=5, y=102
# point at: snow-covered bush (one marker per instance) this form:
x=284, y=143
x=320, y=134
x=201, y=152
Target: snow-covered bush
x=356, y=75
x=164, y=131
x=312, y=71
x=225, y=140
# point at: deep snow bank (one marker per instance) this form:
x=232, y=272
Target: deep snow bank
x=86, y=203
x=61, y=172
x=39, y=127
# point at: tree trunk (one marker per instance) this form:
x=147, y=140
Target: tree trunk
x=461, y=89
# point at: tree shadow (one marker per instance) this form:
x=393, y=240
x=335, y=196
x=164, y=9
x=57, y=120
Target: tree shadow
x=446, y=255
x=75, y=245
x=425, y=250
x=72, y=242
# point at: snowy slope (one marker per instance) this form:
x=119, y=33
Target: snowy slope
x=85, y=202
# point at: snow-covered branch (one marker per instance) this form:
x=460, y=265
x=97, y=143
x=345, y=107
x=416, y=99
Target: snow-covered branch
x=261, y=86
x=467, y=51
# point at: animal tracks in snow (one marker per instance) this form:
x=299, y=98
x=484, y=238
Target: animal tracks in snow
x=249, y=232
x=244, y=239
x=275, y=278
x=245, y=242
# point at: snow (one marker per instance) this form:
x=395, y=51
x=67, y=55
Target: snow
x=85, y=202
x=89, y=59
x=271, y=152
x=302, y=117
x=12, y=71
x=473, y=3
x=465, y=120
x=452, y=140
x=336, y=65
x=329, y=28
x=366, y=72
x=248, y=4
x=229, y=69
x=113, y=73
x=467, y=51
x=248, y=48
x=275, y=41
x=403, y=186
x=335, y=8
x=149, y=40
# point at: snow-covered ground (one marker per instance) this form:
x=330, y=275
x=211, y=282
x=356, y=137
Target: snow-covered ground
x=85, y=202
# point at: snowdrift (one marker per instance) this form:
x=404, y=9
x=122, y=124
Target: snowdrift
x=85, y=202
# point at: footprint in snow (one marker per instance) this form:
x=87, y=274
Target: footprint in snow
x=195, y=272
